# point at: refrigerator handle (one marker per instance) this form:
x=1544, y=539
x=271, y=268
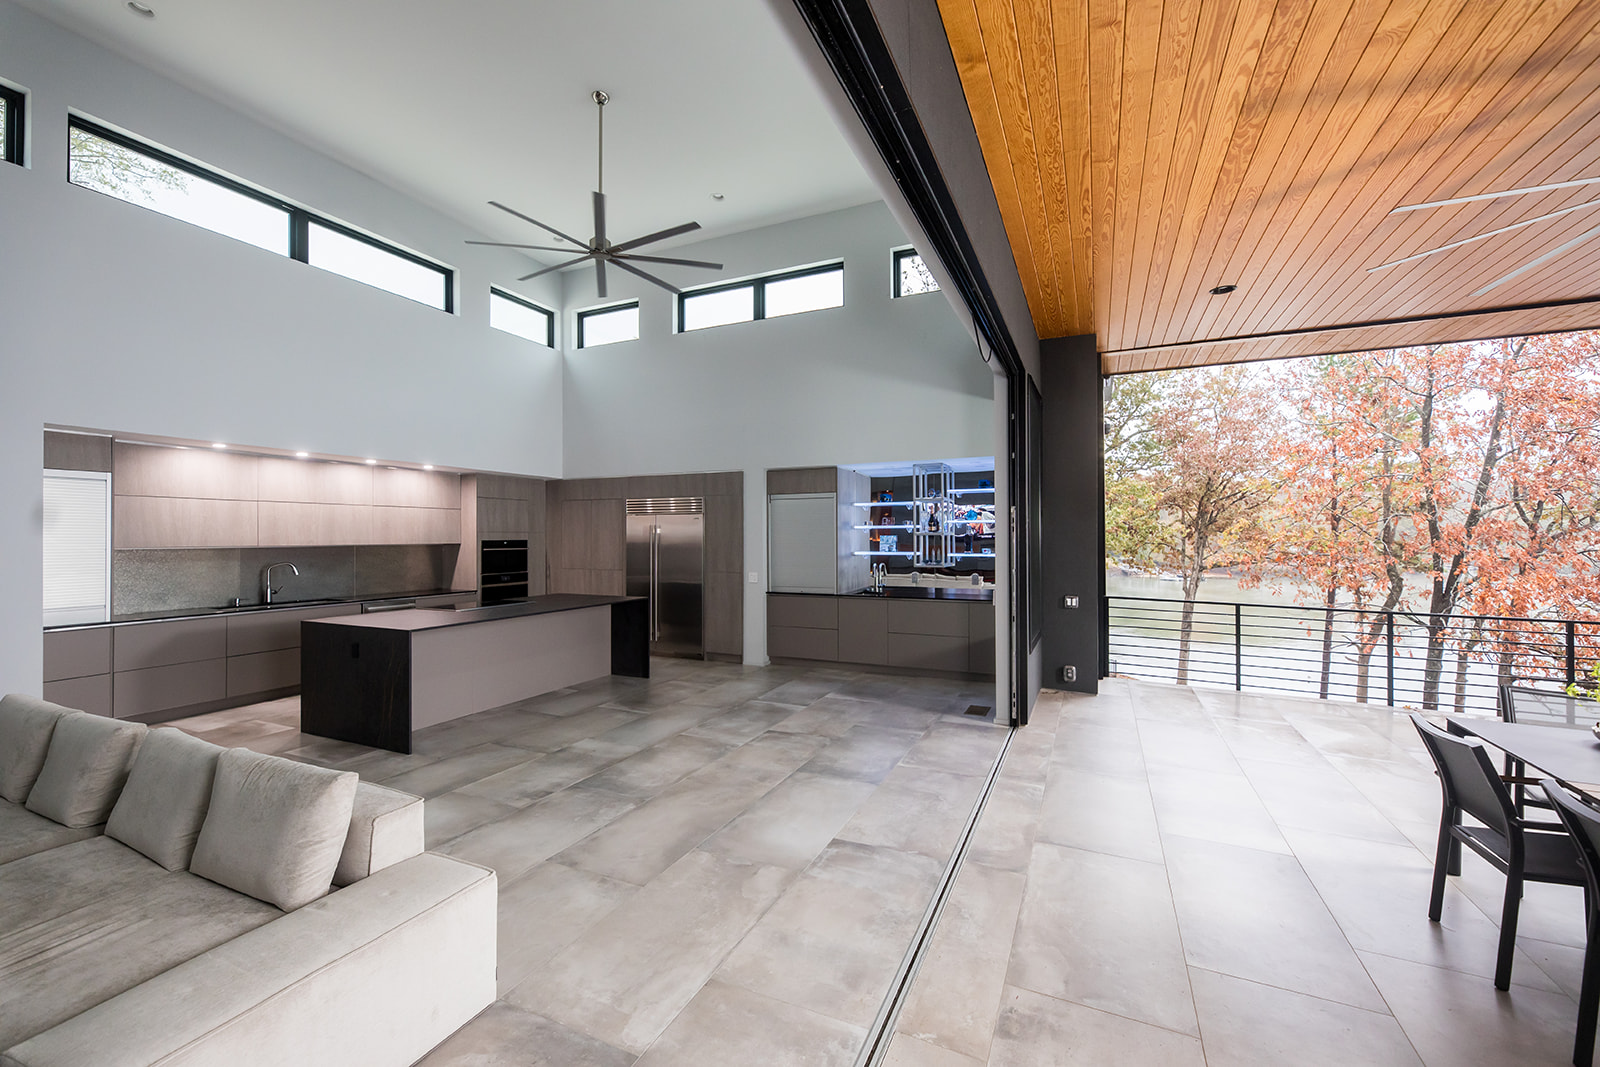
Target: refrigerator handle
x=655, y=582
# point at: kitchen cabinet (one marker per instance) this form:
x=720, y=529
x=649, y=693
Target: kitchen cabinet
x=947, y=636
x=77, y=669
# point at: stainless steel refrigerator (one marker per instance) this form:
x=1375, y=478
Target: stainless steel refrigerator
x=666, y=563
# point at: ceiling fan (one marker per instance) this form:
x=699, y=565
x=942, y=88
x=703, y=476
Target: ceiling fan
x=598, y=248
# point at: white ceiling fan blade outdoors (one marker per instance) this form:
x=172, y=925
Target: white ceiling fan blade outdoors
x=1489, y=233
x=1495, y=196
x=1547, y=257
x=536, y=222
x=558, y=266
x=507, y=244
x=651, y=278
x=659, y=235
x=677, y=262
x=600, y=276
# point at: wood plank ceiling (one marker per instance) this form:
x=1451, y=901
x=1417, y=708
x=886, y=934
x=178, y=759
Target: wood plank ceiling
x=1143, y=152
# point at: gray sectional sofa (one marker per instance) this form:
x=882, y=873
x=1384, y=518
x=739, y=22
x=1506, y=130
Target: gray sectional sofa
x=167, y=901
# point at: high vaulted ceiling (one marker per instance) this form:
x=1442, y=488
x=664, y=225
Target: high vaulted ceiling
x=460, y=103
x=1144, y=152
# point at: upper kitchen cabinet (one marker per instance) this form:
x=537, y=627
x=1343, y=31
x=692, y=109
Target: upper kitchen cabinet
x=205, y=498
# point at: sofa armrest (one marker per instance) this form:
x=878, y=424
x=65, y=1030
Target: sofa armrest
x=375, y=974
x=385, y=828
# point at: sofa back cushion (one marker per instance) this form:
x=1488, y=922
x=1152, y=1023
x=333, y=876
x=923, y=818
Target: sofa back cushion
x=26, y=724
x=84, y=768
x=165, y=800
x=385, y=828
x=275, y=828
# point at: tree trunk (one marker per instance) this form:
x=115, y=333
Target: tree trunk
x=1327, y=644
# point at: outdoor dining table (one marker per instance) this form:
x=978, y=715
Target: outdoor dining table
x=1568, y=754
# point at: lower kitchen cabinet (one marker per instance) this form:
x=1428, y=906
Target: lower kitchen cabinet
x=952, y=636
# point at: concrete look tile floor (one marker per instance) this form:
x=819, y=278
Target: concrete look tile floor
x=727, y=865
x=721, y=864
x=1167, y=875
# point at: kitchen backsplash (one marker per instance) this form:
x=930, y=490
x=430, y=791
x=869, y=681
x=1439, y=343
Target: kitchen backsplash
x=145, y=580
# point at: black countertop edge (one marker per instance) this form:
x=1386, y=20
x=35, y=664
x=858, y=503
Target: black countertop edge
x=256, y=609
x=418, y=620
x=909, y=592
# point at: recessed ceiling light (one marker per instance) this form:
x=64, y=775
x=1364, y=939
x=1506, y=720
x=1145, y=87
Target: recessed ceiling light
x=372, y=463
x=218, y=444
x=427, y=466
x=141, y=10
x=301, y=455
x=1222, y=290
x=716, y=196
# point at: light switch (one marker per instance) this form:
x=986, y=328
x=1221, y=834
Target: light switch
x=754, y=577
x=1069, y=601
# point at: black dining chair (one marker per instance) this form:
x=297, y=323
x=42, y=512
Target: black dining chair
x=1536, y=700
x=1583, y=822
x=1522, y=851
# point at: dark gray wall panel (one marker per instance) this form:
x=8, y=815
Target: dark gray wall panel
x=1074, y=511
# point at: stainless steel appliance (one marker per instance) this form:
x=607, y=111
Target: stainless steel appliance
x=666, y=563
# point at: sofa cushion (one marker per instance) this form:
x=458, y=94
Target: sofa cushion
x=169, y=789
x=275, y=828
x=385, y=828
x=22, y=833
x=26, y=724
x=84, y=769
x=86, y=921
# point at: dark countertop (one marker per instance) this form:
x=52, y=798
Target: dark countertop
x=913, y=592
x=438, y=619
x=280, y=605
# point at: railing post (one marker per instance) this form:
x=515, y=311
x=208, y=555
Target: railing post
x=1238, y=648
x=1572, y=651
x=1389, y=637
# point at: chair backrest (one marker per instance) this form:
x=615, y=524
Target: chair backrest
x=1470, y=780
x=1583, y=823
x=1547, y=704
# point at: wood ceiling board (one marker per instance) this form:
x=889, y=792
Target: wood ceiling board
x=1143, y=151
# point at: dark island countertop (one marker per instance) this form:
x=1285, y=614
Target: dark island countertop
x=247, y=609
x=913, y=592
x=418, y=619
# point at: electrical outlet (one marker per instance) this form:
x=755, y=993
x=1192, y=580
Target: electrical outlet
x=1069, y=601
x=754, y=578
x=1069, y=674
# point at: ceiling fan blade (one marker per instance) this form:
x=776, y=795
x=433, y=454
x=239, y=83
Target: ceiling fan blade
x=600, y=276
x=536, y=222
x=558, y=266
x=600, y=220
x=659, y=235
x=678, y=262
x=507, y=244
x=651, y=278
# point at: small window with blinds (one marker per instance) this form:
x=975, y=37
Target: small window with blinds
x=77, y=547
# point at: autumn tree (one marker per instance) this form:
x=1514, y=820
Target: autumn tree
x=1211, y=476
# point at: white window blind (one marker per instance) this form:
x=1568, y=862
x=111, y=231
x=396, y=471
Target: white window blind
x=77, y=547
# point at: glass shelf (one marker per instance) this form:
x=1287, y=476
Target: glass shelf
x=875, y=527
x=964, y=492
x=907, y=555
x=972, y=555
x=884, y=504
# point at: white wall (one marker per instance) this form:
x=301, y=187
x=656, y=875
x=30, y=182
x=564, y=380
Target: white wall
x=878, y=380
x=118, y=318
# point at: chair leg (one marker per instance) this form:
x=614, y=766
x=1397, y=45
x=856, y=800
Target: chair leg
x=1454, y=864
x=1588, y=999
x=1441, y=863
x=1508, y=930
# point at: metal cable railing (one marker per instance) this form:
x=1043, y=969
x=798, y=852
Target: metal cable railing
x=1400, y=658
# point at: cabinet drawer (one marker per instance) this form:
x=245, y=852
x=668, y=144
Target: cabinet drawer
x=816, y=612
x=800, y=642
x=863, y=631
x=163, y=688
x=157, y=644
x=944, y=618
x=269, y=631
x=263, y=671
x=930, y=652
x=92, y=694
x=76, y=653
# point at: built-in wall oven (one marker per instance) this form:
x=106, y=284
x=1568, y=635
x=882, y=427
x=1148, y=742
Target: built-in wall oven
x=503, y=571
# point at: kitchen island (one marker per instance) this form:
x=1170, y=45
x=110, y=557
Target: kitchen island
x=374, y=679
